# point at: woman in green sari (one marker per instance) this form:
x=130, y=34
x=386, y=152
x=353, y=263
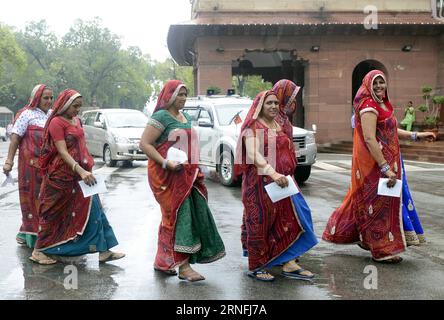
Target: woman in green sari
x=187, y=233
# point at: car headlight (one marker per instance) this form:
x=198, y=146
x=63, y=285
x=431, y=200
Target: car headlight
x=310, y=138
x=120, y=139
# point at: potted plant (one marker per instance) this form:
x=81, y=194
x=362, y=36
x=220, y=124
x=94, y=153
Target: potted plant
x=431, y=110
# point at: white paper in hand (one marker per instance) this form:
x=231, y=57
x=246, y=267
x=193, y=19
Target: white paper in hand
x=177, y=155
x=383, y=190
x=277, y=193
x=99, y=187
x=8, y=179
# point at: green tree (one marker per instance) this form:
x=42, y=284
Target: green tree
x=12, y=63
x=250, y=86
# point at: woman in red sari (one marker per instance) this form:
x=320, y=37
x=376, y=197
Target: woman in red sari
x=274, y=233
x=372, y=221
x=26, y=135
x=187, y=233
x=69, y=223
x=286, y=92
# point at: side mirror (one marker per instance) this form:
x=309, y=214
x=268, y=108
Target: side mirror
x=99, y=124
x=204, y=122
x=314, y=128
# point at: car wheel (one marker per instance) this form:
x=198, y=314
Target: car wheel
x=107, y=157
x=226, y=170
x=302, y=174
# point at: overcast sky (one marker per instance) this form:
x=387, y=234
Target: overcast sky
x=142, y=23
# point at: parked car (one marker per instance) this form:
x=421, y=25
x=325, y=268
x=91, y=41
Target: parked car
x=213, y=118
x=114, y=134
x=3, y=133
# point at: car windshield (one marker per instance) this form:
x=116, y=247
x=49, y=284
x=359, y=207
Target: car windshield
x=225, y=113
x=127, y=120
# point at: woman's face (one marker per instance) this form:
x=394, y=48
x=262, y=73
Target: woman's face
x=74, y=109
x=271, y=107
x=379, y=87
x=179, y=103
x=46, y=100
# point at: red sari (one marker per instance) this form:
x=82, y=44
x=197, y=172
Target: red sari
x=29, y=175
x=269, y=228
x=364, y=216
x=170, y=188
x=63, y=212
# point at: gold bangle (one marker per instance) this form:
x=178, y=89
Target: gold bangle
x=9, y=162
x=74, y=167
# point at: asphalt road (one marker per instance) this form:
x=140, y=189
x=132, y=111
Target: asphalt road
x=135, y=216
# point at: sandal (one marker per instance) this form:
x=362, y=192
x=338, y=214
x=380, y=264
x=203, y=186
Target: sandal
x=41, y=258
x=297, y=274
x=111, y=257
x=192, y=276
x=168, y=272
x=393, y=260
x=20, y=241
x=261, y=275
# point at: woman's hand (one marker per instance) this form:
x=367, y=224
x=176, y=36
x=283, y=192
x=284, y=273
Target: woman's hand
x=174, y=166
x=429, y=136
x=280, y=180
x=87, y=177
x=7, y=168
x=392, y=178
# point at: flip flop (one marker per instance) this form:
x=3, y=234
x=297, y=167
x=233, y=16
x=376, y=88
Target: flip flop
x=255, y=274
x=389, y=261
x=297, y=274
x=20, y=241
x=168, y=272
x=190, y=279
x=43, y=261
x=113, y=256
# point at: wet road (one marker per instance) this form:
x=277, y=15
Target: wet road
x=134, y=215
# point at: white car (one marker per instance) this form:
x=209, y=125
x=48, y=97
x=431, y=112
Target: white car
x=114, y=134
x=218, y=134
x=3, y=133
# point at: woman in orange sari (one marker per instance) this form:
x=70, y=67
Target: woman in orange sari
x=27, y=135
x=187, y=233
x=372, y=221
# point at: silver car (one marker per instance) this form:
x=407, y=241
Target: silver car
x=114, y=134
x=218, y=134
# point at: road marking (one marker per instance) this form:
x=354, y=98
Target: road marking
x=329, y=167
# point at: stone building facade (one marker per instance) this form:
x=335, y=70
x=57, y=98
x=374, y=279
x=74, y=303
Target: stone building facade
x=324, y=46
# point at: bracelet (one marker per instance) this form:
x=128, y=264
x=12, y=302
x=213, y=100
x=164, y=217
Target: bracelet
x=164, y=163
x=414, y=136
x=384, y=168
x=268, y=170
x=74, y=167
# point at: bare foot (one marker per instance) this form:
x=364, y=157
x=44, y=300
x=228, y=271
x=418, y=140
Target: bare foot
x=110, y=256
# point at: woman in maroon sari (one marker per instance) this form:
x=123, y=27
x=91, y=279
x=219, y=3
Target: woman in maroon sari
x=26, y=135
x=69, y=223
x=274, y=233
x=286, y=92
x=372, y=221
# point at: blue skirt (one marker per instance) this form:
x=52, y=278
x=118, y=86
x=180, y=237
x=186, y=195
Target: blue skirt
x=414, y=233
x=97, y=237
x=306, y=241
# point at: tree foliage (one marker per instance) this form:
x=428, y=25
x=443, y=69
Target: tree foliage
x=88, y=58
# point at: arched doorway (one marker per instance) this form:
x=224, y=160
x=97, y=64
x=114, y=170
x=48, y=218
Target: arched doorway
x=361, y=70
